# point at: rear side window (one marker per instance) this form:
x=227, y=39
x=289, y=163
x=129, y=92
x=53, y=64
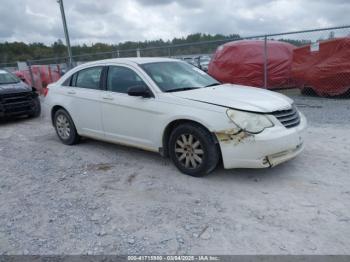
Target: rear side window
x=120, y=79
x=88, y=78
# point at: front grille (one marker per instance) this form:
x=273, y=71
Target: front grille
x=289, y=118
x=14, y=104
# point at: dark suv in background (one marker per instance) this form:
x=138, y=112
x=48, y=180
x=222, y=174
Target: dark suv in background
x=16, y=97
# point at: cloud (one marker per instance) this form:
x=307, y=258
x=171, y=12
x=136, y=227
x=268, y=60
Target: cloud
x=113, y=21
x=185, y=3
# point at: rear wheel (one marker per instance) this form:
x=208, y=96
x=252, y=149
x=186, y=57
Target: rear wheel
x=65, y=128
x=308, y=91
x=193, y=150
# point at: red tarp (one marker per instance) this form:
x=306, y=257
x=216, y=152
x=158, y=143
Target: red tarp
x=325, y=67
x=242, y=62
x=42, y=76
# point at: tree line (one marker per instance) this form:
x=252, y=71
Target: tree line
x=20, y=51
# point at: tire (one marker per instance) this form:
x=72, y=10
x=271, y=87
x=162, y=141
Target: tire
x=36, y=109
x=65, y=128
x=308, y=91
x=196, y=156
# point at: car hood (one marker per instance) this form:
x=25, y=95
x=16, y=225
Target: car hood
x=14, y=88
x=239, y=97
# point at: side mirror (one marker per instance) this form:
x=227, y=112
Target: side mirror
x=139, y=90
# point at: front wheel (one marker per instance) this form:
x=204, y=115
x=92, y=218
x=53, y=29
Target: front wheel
x=36, y=108
x=65, y=128
x=193, y=150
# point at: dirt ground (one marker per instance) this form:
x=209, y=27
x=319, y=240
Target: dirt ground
x=100, y=198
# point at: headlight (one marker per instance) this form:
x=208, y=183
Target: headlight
x=250, y=122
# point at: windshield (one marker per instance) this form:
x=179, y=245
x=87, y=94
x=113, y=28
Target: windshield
x=7, y=78
x=177, y=76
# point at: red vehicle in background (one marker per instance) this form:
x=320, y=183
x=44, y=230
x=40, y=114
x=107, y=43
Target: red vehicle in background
x=42, y=76
x=323, y=67
x=242, y=62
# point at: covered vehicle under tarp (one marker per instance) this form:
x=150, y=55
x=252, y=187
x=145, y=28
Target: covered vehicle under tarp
x=42, y=76
x=324, y=67
x=242, y=62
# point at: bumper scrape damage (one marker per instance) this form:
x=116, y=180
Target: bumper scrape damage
x=271, y=147
x=234, y=136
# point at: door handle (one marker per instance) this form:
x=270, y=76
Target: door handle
x=107, y=98
x=71, y=92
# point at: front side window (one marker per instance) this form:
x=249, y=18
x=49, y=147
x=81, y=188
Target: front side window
x=178, y=76
x=88, y=78
x=120, y=79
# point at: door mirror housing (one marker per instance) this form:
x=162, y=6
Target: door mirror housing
x=139, y=90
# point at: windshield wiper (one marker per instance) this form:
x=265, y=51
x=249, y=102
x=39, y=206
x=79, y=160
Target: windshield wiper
x=181, y=89
x=214, y=84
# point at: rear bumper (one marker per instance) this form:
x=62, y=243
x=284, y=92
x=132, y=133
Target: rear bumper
x=269, y=148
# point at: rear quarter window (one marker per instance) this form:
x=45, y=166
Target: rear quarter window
x=67, y=82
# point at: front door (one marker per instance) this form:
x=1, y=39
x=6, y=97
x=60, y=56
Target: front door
x=128, y=119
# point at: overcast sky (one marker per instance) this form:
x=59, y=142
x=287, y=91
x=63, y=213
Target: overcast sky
x=113, y=21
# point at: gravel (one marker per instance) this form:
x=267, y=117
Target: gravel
x=100, y=198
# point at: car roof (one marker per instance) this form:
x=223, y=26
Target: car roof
x=134, y=60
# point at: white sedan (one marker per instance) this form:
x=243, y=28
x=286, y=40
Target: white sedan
x=171, y=107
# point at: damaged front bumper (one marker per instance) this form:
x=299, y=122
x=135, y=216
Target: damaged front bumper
x=284, y=156
x=267, y=149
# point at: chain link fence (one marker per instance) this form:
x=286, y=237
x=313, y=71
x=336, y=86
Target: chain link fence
x=318, y=63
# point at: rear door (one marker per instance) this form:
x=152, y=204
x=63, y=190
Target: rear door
x=85, y=106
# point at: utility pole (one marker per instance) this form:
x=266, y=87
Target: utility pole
x=66, y=33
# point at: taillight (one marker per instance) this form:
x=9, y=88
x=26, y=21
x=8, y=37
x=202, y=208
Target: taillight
x=45, y=91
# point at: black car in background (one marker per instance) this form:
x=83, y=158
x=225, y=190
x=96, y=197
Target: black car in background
x=16, y=97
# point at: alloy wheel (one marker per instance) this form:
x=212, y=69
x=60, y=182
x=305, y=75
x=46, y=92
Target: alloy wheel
x=189, y=151
x=63, y=126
